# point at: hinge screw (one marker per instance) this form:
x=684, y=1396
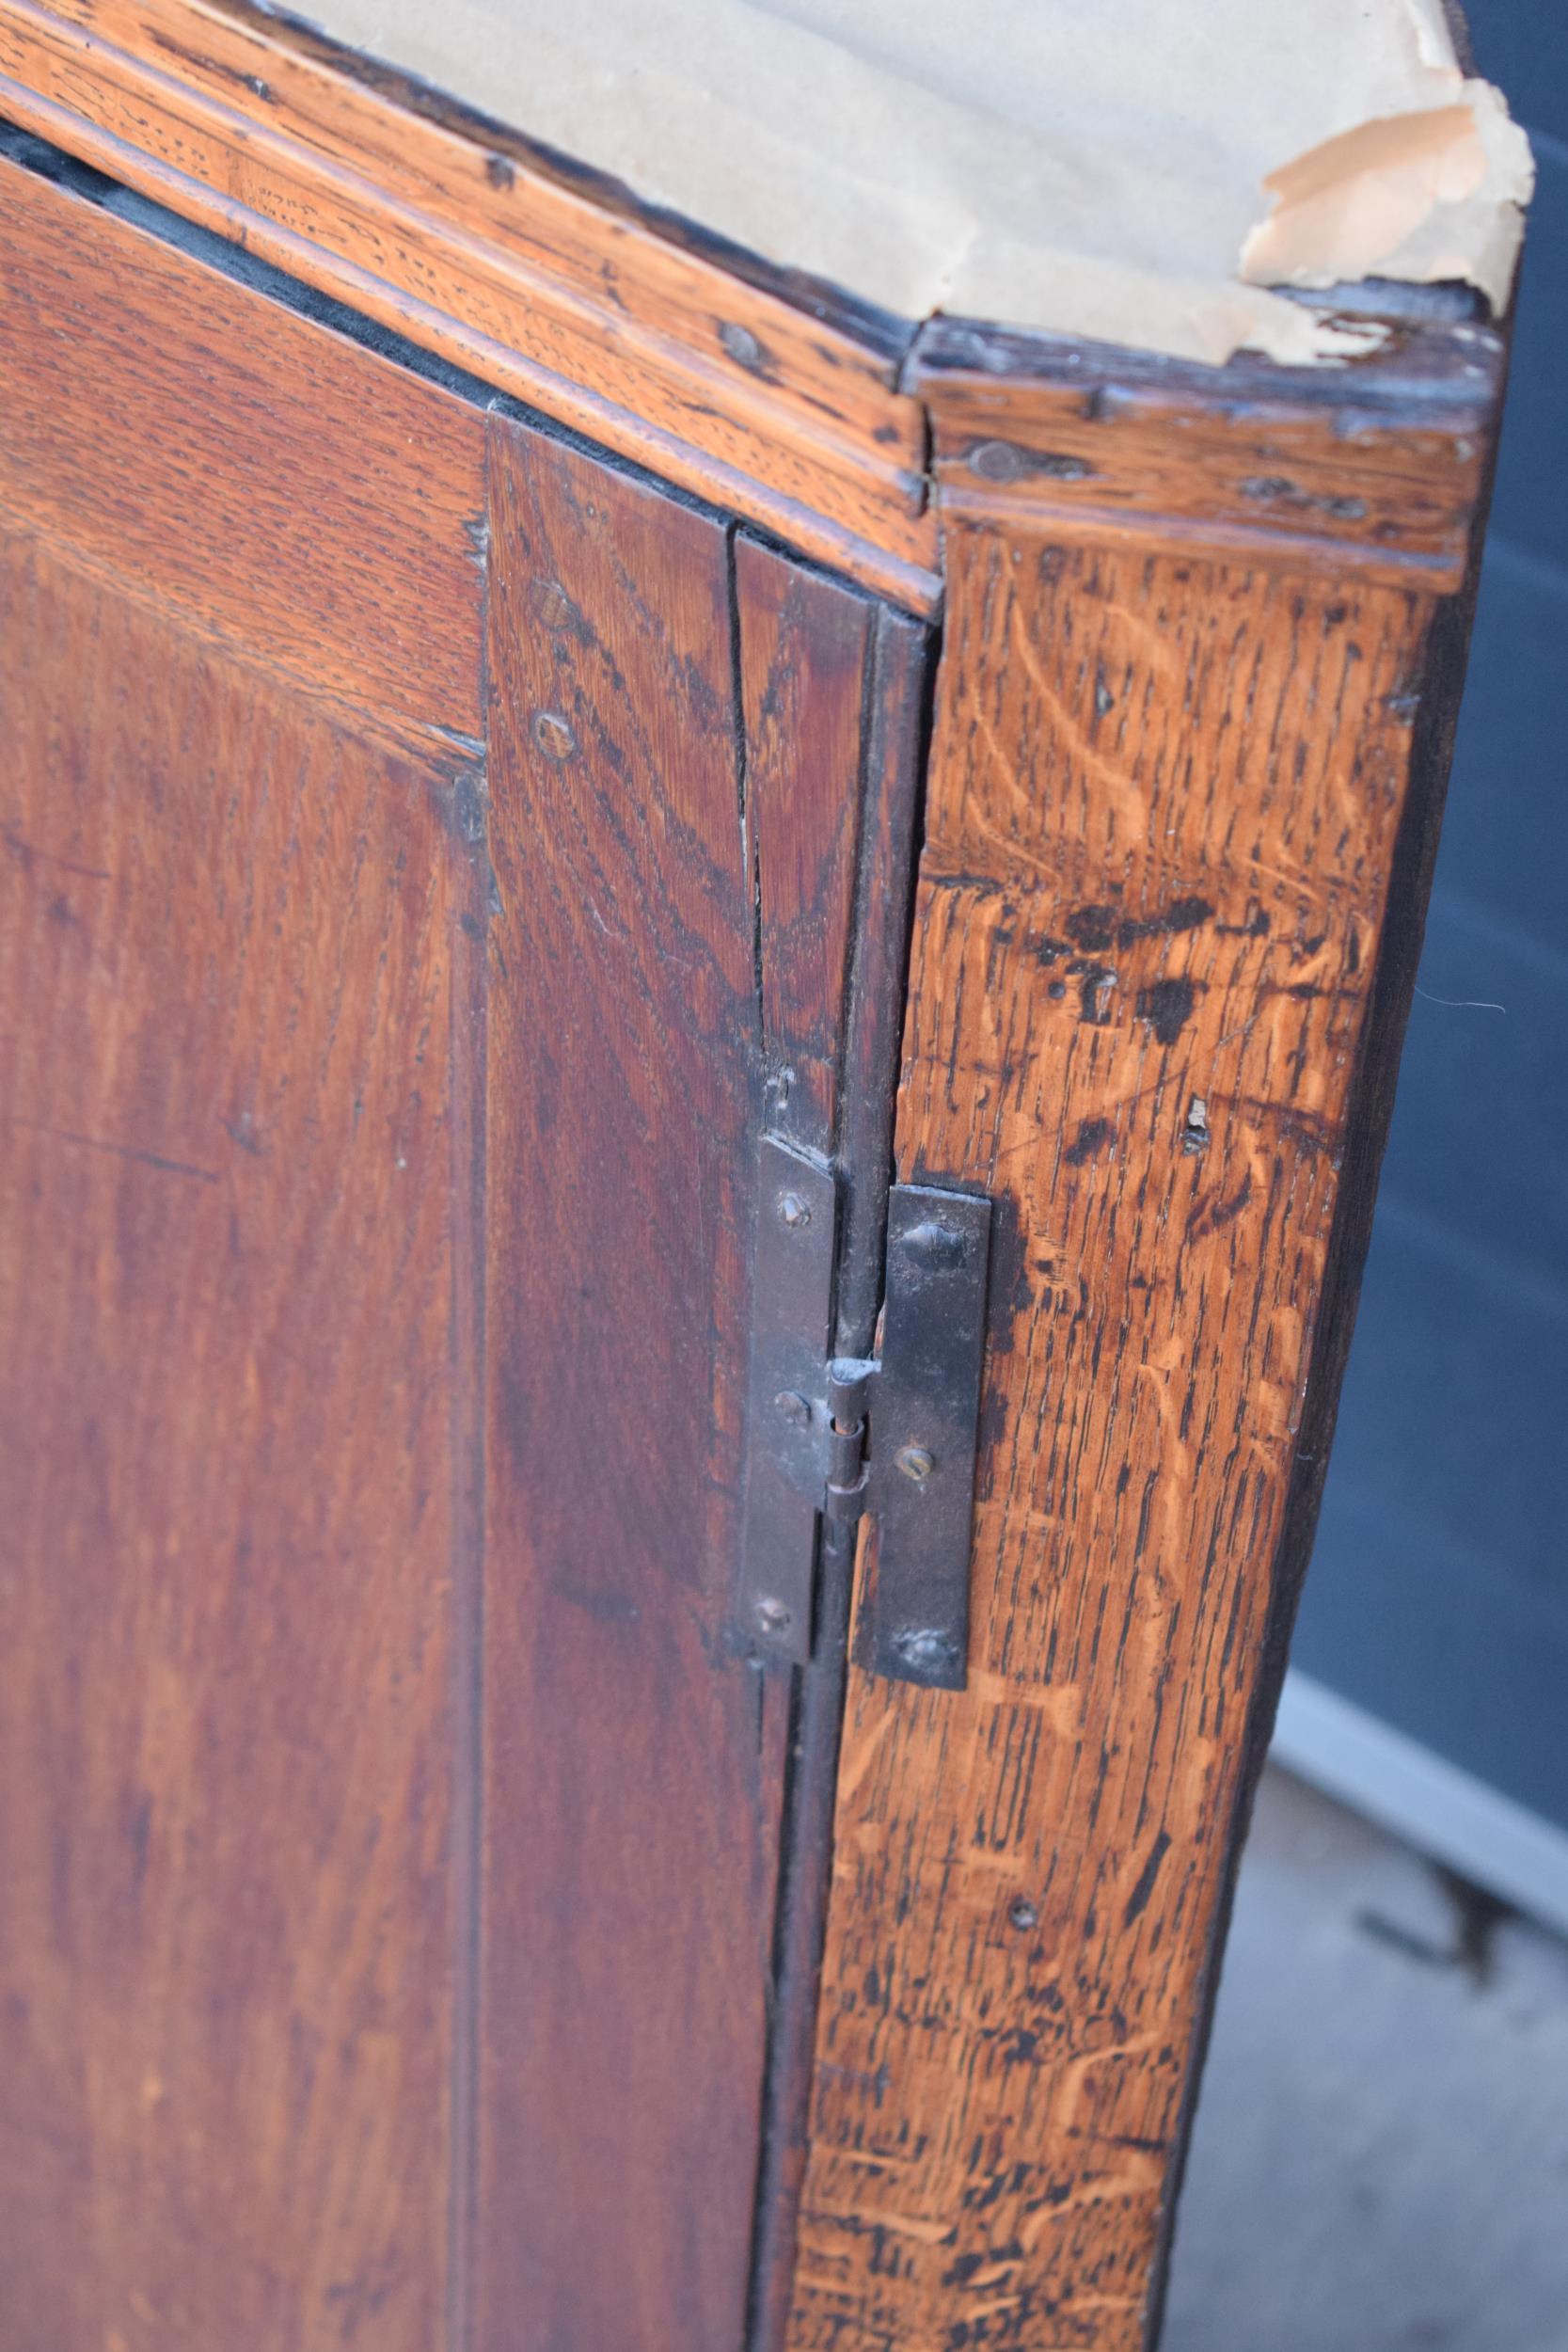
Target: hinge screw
x=553, y=733
x=997, y=461
x=772, y=1617
x=926, y=1648
x=741, y=344
x=936, y=1246
x=794, y=1210
x=915, y=1463
x=794, y=1408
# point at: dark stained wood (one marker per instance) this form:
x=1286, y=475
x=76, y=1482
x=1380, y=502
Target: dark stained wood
x=200, y=443
x=418, y=1900
x=385, y=1990
x=630, y=1837
x=1165, y=807
x=831, y=698
x=1376, y=466
x=804, y=647
x=669, y=731
x=894, y=708
x=240, y=621
x=454, y=233
x=227, y=1754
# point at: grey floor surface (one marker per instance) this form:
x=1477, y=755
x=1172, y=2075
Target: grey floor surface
x=1380, y=2159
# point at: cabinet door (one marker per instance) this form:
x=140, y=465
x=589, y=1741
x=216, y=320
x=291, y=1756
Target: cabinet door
x=428, y=854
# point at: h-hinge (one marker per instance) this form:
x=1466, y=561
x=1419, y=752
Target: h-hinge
x=833, y=1438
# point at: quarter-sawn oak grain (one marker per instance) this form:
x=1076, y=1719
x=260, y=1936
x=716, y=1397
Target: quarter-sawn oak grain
x=462, y=1879
x=1162, y=809
x=460, y=236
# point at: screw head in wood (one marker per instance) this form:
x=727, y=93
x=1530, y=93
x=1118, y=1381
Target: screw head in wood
x=1022, y=1912
x=936, y=1248
x=553, y=733
x=551, y=605
x=741, y=344
x=927, y=1649
x=997, y=461
x=915, y=1463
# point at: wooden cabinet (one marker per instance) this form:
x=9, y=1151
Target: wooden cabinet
x=429, y=844
x=438, y=850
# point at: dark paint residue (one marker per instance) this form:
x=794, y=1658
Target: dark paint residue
x=1167, y=1007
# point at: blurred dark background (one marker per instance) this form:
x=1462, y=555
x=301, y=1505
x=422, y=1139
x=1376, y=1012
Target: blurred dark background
x=1380, y=2161
x=1438, y=1599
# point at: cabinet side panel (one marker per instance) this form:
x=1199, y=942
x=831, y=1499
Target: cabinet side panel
x=225, y=1497
x=632, y=1766
x=1163, y=814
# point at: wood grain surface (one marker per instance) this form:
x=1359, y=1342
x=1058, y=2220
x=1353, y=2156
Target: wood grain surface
x=231, y=1541
x=431, y=854
x=434, y=854
x=777, y=399
x=1165, y=800
x=1375, y=467
x=223, y=456
x=471, y=243
x=892, y=746
x=675, y=733
x=804, y=645
x=226, y=1483
x=629, y=1826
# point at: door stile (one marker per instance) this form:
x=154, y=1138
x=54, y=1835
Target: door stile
x=893, y=725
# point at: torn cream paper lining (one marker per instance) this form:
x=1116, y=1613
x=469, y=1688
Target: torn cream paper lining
x=1139, y=171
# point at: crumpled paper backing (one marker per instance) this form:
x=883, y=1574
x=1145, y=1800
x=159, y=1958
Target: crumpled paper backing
x=1137, y=171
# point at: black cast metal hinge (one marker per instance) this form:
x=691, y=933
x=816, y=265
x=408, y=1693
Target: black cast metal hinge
x=834, y=1438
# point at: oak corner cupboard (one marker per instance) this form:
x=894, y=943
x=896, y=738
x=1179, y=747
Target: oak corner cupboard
x=717, y=771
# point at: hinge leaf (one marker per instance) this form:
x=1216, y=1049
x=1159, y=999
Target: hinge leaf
x=832, y=1438
x=924, y=1434
x=787, y=1422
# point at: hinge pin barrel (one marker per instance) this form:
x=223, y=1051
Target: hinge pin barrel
x=830, y=1438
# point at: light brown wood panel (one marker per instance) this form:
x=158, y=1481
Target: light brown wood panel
x=1372, y=470
x=759, y=396
x=1162, y=812
x=226, y=1489
x=257, y=474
